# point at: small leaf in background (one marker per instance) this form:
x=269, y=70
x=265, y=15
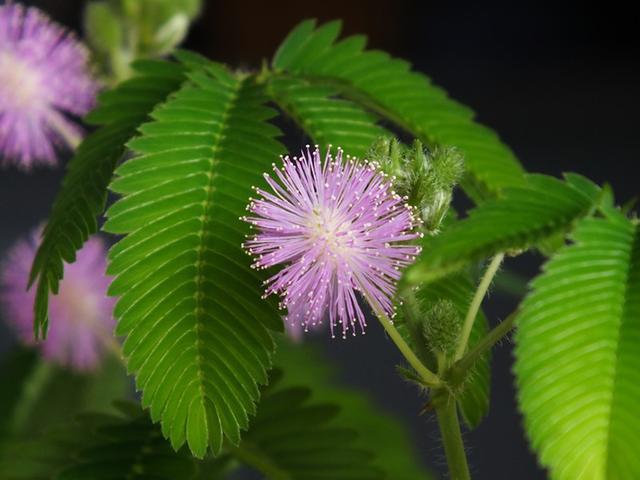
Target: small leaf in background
x=295, y=437
x=577, y=357
x=37, y=395
x=378, y=431
x=122, y=444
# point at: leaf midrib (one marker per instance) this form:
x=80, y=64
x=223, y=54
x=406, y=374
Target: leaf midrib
x=633, y=263
x=200, y=276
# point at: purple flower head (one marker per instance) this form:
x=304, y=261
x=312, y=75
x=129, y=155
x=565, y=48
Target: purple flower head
x=81, y=323
x=43, y=78
x=339, y=228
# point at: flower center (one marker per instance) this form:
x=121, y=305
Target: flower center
x=82, y=306
x=331, y=232
x=20, y=83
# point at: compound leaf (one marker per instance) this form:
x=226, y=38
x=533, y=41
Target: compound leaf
x=81, y=200
x=197, y=330
x=577, y=357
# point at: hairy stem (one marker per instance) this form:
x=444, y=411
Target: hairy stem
x=452, y=438
x=475, y=304
x=427, y=375
x=488, y=341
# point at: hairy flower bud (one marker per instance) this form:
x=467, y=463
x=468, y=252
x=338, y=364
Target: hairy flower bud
x=425, y=177
x=441, y=326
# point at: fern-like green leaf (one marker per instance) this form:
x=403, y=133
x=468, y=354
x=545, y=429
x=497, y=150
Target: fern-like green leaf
x=378, y=431
x=326, y=119
x=81, y=200
x=291, y=438
x=522, y=217
x=190, y=306
x=388, y=87
x=577, y=356
x=99, y=446
x=294, y=439
x=36, y=394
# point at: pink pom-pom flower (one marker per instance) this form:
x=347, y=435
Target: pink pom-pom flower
x=341, y=232
x=44, y=77
x=81, y=321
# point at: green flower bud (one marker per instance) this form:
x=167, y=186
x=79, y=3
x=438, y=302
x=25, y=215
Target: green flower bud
x=103, y=28
x=441, y=327
x=426, y=178
x=121, y=31
x=171, y=34
x=433, y=177
x=388, y=153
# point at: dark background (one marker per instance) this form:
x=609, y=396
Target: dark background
x=559, y=84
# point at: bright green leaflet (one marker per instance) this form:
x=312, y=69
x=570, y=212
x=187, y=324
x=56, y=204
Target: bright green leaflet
x=81, y=200
x=519, y=219
x=190, y=306
x=577, y=357
x=388, y=87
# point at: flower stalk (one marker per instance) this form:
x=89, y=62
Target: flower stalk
x=467, y=362
x=426, y=375
x=485, y=282
x=449, y=424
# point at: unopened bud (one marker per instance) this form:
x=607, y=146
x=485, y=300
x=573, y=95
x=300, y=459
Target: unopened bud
x=171, y=33
x=388, y=153
x=425, y=177
x=441, y=327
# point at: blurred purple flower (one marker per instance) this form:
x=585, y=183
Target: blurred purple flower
x=43, y=77
x=81, y=323
x=340, y=229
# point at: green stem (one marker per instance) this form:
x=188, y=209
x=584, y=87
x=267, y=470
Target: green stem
x=427, y=375
x=31, y=391
x=475, y=304
x=488, y=341
x=452, y=439
x=121, y=69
